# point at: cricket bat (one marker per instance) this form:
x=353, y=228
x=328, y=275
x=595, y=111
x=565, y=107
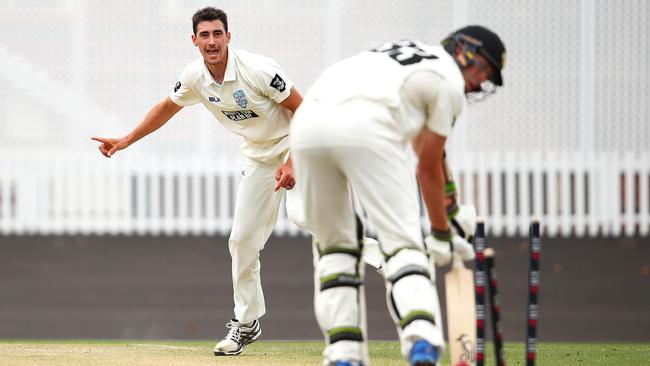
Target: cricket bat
x=461, y=313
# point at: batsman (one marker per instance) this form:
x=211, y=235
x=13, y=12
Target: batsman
x=351, y=133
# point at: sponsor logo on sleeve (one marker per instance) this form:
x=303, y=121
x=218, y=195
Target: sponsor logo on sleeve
x=278, y=83
x=240, y=98
x=240, y=115
x=212, y=99
x=178, y=86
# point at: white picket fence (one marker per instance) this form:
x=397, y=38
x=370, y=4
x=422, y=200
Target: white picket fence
x=572, y=194
x=607, y=194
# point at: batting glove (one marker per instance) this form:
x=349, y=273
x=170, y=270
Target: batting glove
x=462, y=220
x=440, y=246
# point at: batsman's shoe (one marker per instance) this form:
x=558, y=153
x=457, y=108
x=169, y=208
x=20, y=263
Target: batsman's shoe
x=237, y=337
x=423, y=354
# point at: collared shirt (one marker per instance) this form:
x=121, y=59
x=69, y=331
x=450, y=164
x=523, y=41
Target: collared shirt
x=246, y=103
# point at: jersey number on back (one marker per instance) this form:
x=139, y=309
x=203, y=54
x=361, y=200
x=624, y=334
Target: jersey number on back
x=404, y=52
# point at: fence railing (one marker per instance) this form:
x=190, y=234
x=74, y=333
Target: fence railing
x=607, y=194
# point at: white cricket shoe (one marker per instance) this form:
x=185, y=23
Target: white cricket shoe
x=238, y=336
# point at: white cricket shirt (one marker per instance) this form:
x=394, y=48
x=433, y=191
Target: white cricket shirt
x=246, y=103
x=420, y=84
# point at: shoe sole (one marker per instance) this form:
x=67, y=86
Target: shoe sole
x=423, y=362
x=220, y=353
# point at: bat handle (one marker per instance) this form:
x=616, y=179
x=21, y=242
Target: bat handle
x=456, y=260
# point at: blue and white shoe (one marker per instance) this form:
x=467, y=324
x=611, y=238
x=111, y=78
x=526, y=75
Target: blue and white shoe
x=348, y=363
x=423, y=354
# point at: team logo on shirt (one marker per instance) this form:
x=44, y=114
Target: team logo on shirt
x=240, y=115
x=178, y=86
x=278, y=83
x=240, y=98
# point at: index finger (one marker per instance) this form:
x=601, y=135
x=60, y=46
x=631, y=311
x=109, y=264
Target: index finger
x=282, y=182
x=278, y=174
x=99, y=139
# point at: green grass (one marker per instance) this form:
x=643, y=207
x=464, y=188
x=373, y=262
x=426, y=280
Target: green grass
x=144, y=353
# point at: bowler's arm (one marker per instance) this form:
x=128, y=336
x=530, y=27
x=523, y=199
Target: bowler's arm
x=292, y=102
x=157, y=116
x=284, y=174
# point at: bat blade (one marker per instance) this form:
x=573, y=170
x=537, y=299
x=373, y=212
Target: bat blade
x=461, y=314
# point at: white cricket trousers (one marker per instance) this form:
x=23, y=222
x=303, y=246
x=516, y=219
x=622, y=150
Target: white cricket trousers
x=256, y=212
x=356, y=145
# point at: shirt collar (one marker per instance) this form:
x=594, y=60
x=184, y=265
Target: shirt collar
x=231, y=70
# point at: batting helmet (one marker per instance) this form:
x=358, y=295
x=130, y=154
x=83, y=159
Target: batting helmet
x=476, y=39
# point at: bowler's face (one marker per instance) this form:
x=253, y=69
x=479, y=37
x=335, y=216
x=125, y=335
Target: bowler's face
x=212, y=40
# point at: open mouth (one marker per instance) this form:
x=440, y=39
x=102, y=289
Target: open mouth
x=212, y=52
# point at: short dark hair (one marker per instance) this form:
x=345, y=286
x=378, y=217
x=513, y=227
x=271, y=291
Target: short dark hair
x=209, y=14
